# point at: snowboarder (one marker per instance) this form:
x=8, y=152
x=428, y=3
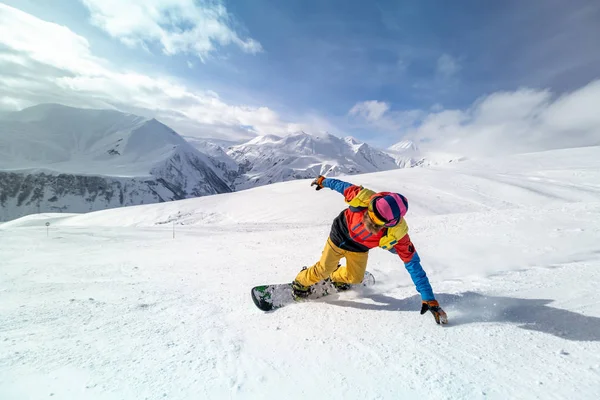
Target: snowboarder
x=371, y=220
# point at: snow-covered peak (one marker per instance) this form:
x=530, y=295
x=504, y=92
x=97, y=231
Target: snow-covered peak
x=308, y=144
x=303, y=155
x=351, y=140
x=403, y=146
x=408, y=153
x=266, y=139
x=71, y=140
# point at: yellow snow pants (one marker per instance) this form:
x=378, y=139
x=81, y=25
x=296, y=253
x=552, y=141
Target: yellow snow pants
x=353, y=272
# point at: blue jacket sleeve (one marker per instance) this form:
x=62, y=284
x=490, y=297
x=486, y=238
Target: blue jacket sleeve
x=419, y=277
x=336, y=184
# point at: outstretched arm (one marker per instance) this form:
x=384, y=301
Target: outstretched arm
x=412, y=262
x=337, y=185
x=406, y=250
x=355, y=196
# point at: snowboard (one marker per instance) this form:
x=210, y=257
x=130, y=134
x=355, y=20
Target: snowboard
x=272, y=297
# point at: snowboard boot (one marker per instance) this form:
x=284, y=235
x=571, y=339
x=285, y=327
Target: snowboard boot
x=299, y=290
x=339, y=286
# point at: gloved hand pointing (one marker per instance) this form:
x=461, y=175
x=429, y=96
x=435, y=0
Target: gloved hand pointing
x=433, y=306
x=318, y=182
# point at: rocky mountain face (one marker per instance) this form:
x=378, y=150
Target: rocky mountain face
x=29, y=193
x=268, y=159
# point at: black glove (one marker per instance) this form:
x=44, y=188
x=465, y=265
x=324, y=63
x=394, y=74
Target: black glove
x=318, y=182
x=433, y=306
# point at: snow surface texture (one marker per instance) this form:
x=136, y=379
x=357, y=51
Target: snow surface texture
x=110, y=306
x=63, y=159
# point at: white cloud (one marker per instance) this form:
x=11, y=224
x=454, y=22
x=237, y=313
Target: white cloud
x=447, y=66
x=33, y=40
x=10, y=104
x=45, y=62
x=371, y=110
x=524, y=120
x=377, y=113
x=178, y=26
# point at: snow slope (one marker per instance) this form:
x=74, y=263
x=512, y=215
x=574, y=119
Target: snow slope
x=54, y=157
x=110, y=306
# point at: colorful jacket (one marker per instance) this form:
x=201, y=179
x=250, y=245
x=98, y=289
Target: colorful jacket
x=349, y=233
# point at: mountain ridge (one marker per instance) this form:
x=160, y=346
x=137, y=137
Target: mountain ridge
x=68, y=159
x=269, y=159
x=51, y=151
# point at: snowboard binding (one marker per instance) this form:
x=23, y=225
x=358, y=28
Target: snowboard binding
x=300, y=291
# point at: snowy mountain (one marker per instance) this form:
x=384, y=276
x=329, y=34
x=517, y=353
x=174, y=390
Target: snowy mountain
x=407, y=154
x=57, y=158
x=268, y=159
x=225, y=166
x=109, y=305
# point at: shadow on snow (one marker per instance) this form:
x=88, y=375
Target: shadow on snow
x=471, y=307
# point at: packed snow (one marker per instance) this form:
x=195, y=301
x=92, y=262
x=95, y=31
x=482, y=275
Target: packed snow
x=152, y=302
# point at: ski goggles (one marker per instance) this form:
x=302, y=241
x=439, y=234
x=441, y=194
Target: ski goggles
x=378, y=220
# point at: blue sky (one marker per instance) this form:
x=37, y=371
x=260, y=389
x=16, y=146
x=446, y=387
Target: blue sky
x=367, y=69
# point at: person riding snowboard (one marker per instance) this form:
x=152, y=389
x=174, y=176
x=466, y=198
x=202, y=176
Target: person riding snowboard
x=371, y=220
